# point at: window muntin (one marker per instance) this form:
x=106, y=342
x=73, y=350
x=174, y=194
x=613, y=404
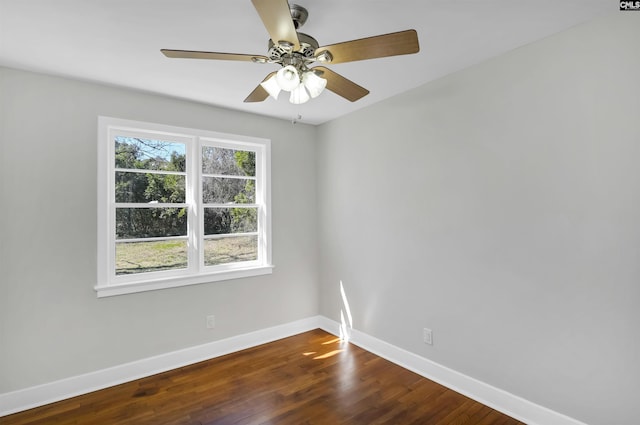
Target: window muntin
x=149, y=173
x=230, y=211
x=180, y=206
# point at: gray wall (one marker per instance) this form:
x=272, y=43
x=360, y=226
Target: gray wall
x=52, y=324
x=500, y=207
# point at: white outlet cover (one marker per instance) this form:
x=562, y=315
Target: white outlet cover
x=211, y=322
x=427, y=336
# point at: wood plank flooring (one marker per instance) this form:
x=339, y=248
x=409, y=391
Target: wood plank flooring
x=311, y=378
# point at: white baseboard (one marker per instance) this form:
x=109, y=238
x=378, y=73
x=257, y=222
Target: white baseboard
x=493, y=397
x=40, y=395
x=507, y=403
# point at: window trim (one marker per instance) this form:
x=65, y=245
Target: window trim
x=108, y=284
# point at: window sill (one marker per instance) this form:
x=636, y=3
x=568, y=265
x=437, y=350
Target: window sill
x=174, y=282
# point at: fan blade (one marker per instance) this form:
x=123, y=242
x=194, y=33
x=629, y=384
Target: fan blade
x=259, y=94
x=276, y=17
x=191, y=54
x=397, y=43
x=341, y=86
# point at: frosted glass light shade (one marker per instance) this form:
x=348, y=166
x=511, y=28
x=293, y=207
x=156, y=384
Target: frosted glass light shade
x=288, y=78
x=271, y=86
x=314, y=84
x=299, y=95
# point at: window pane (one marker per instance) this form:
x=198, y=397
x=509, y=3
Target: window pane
x=228, y=161
x=230, y=250
x=150, y=222
x=219, y=221
x=146, y=187
x=149, y=154
x=143, y=257
x=216, y=190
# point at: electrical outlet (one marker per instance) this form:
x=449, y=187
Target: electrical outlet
x=427, y=336
x=211, y=322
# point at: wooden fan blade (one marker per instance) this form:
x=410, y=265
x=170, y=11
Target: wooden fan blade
x=397, y=43
x=259, y=94
x=276, y=17
x=341, y=86
x=191, y=54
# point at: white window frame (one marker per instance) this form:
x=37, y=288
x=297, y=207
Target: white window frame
x=111, y=284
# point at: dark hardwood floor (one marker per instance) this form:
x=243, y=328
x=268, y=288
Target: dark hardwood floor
x=311, y=378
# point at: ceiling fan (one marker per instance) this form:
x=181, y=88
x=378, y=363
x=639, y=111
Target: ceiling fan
x=295, y=52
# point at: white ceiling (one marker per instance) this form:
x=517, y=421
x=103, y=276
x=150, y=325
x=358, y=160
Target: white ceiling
x=118, y=42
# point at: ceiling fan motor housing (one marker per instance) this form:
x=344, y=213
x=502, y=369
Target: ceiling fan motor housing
x=308, y=46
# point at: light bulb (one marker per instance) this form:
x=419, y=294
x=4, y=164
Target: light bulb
x=288, y=78
x=271, y=86
x=313, y=83
x=299, y=95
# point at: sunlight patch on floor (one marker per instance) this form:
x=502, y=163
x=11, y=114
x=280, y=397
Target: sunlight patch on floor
x=327, y=355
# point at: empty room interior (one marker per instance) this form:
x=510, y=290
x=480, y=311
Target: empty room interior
x=466, y=209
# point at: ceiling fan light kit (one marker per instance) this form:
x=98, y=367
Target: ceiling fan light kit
x=313, y=83
x=288, y=78
x=271, y=86
x=302, y=87
x=299, y=95
x=295, y=52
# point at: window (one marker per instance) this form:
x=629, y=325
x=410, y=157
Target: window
x=179, y=206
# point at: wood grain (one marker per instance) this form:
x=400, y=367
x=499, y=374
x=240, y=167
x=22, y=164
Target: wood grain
x=276, y=17
x=311, y=378
x=194, y=54
x=341, y=85
x=379, y=46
